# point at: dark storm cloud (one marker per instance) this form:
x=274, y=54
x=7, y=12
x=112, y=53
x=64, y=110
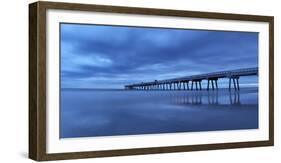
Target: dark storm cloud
x=111, y=56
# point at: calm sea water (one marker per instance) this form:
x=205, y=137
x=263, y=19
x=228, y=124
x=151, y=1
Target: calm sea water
x=88, y=113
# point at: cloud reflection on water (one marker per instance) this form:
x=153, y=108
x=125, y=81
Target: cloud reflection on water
x=86, y=113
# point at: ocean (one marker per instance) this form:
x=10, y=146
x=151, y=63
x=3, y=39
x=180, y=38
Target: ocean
x=101, y=112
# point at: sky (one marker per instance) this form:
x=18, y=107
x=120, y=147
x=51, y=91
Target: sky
x=98, y=56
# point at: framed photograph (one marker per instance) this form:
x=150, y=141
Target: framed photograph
x=113, y=81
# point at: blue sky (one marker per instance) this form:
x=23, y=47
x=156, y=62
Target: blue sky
x=96, y=56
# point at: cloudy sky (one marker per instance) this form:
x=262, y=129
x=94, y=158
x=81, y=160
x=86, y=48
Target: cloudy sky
x=96, y=56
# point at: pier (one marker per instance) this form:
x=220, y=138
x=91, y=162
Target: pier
x=194, y=82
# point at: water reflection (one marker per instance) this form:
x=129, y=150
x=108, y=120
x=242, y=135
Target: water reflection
x=208, y=98
x=234, y=98
x=86, y=113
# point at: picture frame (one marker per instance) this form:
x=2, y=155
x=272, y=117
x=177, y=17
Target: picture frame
x=39, y=97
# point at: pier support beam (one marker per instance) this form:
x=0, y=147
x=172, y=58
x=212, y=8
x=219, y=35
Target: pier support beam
x=235, y=80
x=214, y=83
x=234, y=83
x=229, y=84
x=198, y=85
x=179, y=85
x=183, y=84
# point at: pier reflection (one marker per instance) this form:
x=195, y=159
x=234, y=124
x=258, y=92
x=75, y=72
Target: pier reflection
x=208, y=97
x=234, y=98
